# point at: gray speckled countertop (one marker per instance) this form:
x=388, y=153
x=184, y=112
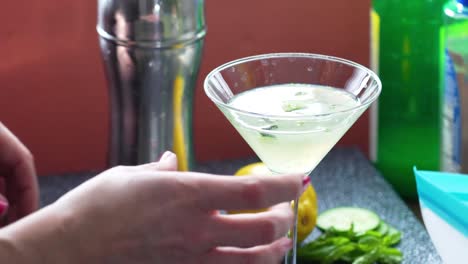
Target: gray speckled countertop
x=344, y=178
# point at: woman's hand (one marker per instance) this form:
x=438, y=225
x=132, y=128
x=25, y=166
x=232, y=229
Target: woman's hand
x=153, y=214
x=19, y=194
x=142, y=215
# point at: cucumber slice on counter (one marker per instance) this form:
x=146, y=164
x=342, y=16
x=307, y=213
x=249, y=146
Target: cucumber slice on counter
x=342, y=218
x=383, y=228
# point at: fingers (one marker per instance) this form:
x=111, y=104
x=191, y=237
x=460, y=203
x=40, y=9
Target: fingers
x=230, y=193
x=272, y=253
x=247, y=230
x=238, y=193
x=20, y=175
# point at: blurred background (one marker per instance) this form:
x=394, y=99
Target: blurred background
x=54, y=92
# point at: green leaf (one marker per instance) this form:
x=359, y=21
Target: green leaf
x=368, y=243
x=322, y=247
x=339, y=240
x=390, y=256
x=325, y=241
x=316, y=244
x=317, y=253
x=389, y=251
x=339, y=252
x=371, y=233
x=392, y=237
x=368, y=258
x=351, y=256
x=390, y=260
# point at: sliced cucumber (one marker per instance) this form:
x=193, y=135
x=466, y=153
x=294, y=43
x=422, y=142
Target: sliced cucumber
x=342, y=218
x=383, y=228
x=392, y=231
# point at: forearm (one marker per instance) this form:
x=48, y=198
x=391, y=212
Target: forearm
x=38, y=238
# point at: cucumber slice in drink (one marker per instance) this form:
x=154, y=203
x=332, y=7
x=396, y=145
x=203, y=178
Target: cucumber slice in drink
x=342, y=218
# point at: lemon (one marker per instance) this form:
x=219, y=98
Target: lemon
x=257, y=168
x=306, y=213
x=307, y=209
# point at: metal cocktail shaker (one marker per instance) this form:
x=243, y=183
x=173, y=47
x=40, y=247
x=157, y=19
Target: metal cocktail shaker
x=151, y=51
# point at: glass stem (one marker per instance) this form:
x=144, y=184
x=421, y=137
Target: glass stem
x=290, y=258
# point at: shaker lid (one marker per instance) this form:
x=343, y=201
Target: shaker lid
x=151, y=23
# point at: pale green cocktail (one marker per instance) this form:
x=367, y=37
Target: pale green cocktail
x=293, y=145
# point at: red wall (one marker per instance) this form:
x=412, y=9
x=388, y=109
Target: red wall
x=53, y=90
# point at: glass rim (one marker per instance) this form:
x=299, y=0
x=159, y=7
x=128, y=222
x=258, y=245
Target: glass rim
x=291, y=55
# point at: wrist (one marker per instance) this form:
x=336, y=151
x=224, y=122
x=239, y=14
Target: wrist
x=41, y=237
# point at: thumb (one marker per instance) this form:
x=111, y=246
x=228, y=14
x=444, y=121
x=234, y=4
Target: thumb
x=168, y=162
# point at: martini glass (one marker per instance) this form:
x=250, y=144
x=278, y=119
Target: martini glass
x=292, y=108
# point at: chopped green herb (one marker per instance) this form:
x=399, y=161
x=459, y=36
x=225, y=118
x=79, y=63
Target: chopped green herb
x=267, y=135
x=300, y=123
x=272, y=127
x=300, y=93
x=291, y=106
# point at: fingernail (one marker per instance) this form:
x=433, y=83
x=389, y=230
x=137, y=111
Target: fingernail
x=305, y=182
x=3, y=207
x=166, y=155
x=286, y=244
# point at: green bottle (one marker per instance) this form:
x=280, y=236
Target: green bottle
x=454, y=65
x=405, y=122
